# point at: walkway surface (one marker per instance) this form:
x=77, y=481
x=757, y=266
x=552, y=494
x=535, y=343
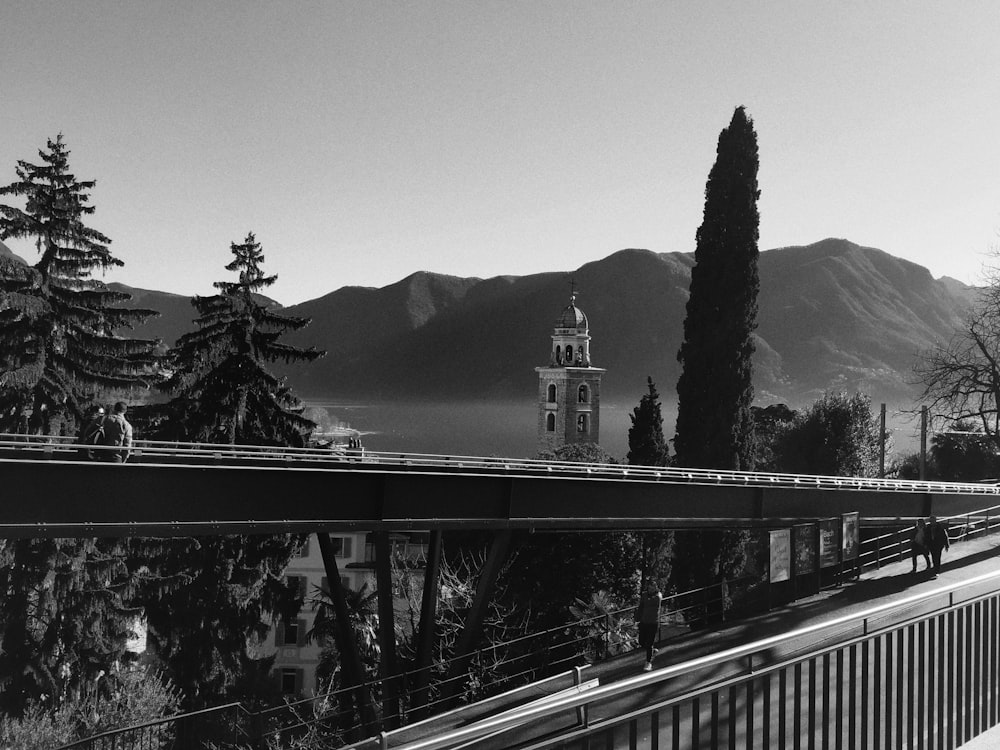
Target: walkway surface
x=965, y=560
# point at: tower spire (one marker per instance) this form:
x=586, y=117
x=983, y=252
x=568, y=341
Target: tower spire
x=569, y=387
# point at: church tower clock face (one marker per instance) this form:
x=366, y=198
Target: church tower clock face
x=569, y=387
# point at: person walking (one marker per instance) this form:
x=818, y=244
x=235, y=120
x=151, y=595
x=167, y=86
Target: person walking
x=937, y=541
x=648, y=617
x=918, y=545
x=117, y=435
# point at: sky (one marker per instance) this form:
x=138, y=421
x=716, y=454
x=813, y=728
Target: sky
x=364, y=141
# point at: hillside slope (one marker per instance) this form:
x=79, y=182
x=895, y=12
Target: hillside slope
x=832, y=315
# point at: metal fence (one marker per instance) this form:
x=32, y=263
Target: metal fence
x=923, y=672
x=220, y=726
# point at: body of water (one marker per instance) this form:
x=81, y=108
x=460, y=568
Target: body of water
x=474, y=428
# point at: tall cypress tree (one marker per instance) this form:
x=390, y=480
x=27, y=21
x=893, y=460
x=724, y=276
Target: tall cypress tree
x=232, y=587
x=60, y=327
x=715, y=389
x=223, y=392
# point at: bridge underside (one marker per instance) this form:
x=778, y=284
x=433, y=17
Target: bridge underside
x=166, y=496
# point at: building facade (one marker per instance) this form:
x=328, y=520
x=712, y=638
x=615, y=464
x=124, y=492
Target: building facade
x=569, y=387
x=296, y=660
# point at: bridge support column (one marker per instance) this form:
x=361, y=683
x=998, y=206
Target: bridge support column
x=426, y=634
x=477, y=612
x=354, y=670
x=388, y=667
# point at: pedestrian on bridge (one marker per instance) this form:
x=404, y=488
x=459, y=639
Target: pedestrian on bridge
x=937, y=541
x=117, y=436
x=92, y=433
x=648, y=617
x=918, y=545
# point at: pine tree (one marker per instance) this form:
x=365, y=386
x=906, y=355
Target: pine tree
x=59, y=327
x=223, y=392
x=206, y=629
x=66, y=614
x=715, y=389
x=646, y=444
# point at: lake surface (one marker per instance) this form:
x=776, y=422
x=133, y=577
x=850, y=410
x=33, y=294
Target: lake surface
x=475, y=428
x=503, y=428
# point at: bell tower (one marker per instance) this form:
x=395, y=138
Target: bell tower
x=569, y=387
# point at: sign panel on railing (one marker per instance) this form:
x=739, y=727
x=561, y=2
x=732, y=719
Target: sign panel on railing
x=805, y=548
x=829, y=544
x=850, y=535
x=781, y=555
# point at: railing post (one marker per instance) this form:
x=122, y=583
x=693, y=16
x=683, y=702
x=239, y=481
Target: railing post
x=607, y=635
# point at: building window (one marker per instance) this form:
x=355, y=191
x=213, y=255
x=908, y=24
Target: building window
x=558, y=354
x=569, y=354
x=552, y=393
x=581, y=424
x=291, y=680
x=583, y=394
x=344, y=546
x=550, y=422
x=290, y=633
x=304, y=549
x=298, y=584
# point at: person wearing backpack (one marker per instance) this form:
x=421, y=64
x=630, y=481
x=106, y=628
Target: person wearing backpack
x=117, y=434
x=92, y=433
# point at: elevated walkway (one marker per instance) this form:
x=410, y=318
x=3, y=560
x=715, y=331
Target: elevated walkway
x=893, y=582
x=176, y=489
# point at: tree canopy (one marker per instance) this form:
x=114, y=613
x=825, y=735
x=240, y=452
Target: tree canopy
x=715, y=389
x=837, y=436
x=222, y=390
x=961, y=378
x=646, y=444
x=60, y=341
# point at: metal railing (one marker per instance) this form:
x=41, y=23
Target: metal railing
x=220, y=726
x=920, y=672
x=495, y=669
x=896, y=545
x=66, y=448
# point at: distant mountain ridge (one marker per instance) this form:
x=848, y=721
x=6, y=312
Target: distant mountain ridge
x=832, y=315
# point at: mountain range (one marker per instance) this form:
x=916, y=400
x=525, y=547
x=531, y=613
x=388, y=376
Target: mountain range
x=833, y=315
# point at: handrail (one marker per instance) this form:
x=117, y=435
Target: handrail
x=235, y=706
x=630, y=684
x=324, y=458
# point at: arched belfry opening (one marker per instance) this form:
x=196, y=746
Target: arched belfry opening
x=569, y=387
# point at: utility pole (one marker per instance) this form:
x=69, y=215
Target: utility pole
x=881, y=443
x=923, y=443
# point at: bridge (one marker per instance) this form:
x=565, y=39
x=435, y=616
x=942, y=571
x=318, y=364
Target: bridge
x=178, y=489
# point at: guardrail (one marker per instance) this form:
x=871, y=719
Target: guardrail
x=920, y=672
x=505, y=665
x=38, y=447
